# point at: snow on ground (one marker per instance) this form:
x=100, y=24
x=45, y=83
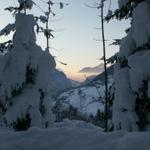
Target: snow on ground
x=73, y=138
x=76, y=123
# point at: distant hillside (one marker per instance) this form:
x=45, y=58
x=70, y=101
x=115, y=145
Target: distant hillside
x=96, y=69
x=101, y=77
x=75, y=83
x=83, y=102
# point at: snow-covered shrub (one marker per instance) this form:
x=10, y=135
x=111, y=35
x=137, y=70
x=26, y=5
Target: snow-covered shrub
x=22, y=123
x=71, y=113
x=98, y=119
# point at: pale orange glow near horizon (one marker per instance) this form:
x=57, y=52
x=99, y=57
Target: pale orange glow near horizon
x=78, y=76
x=74, y=74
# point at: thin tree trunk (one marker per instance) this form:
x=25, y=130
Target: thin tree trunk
x=47, y=27
x=105, y=66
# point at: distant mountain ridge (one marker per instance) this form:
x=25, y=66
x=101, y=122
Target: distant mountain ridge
x=96, y=69
x=101, y=76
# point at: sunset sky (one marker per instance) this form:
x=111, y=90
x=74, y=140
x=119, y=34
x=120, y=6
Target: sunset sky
x=75, y=30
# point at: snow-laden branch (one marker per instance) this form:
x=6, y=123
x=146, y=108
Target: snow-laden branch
x=6, y=30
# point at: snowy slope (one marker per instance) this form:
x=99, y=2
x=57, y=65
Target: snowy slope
x=73, y=138
x=87, y=99
x=82, y=101
x=75, y=83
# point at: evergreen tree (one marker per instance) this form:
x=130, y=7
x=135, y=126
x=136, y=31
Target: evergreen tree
x=131, y=106
x=26, y=75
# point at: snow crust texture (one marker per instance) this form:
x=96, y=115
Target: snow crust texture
x=75, y=138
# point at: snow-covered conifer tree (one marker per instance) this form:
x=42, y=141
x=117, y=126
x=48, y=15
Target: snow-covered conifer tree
x=131, y=106
x=26, y=76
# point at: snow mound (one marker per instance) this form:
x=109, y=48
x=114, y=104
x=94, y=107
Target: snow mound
x=74, y=138
x=76, y=123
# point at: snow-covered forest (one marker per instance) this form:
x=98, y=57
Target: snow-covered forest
x=42, y=109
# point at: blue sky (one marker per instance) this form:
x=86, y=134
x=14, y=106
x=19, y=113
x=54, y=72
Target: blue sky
x=75, y=43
